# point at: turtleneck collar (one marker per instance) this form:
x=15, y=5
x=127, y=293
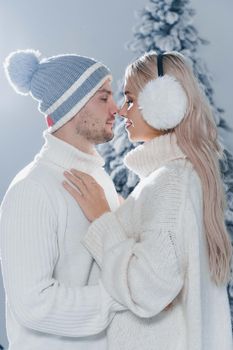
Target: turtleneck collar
x=151, y=155
x=67, y=156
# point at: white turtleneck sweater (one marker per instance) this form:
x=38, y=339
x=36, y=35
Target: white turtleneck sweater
x=153, y=252
x=54, y=299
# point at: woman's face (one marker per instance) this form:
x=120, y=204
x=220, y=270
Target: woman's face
x=138, y=130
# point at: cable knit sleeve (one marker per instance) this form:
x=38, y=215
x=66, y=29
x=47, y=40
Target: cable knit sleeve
x=29, y=252
x=138, y=247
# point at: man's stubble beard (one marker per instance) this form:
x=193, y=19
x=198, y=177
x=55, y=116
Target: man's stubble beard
x=90, y=128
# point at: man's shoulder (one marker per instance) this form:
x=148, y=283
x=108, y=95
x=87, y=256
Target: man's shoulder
x=29, y=192
x=36, y=172
x=36, y=178
x=23, y=175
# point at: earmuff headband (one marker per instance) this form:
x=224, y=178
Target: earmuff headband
x=160, y=64
x=163, y=101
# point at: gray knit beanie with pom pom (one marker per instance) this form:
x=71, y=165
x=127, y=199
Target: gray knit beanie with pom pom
x=61, y=84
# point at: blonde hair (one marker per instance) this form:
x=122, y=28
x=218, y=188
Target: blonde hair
x=197, y=138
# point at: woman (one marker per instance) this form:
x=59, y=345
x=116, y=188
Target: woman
x=164, y=253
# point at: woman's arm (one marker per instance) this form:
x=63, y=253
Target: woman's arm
x=144, y=272
x=143, y=275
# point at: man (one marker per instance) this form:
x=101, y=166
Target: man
x=55, y=299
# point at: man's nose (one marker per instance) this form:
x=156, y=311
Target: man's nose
x=114, y=109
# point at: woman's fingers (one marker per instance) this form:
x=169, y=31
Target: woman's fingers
x=87, y=192
x=73, y=191
x=77, y=182
x=86, y=178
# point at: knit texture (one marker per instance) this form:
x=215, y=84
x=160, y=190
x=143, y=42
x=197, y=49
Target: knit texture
x=54, y=297
x=61, y=84
x=153, y=255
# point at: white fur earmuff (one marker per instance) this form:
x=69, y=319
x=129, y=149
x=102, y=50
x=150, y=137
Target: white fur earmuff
x=163, y=102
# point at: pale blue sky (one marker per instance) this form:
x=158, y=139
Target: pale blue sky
x=93, y=28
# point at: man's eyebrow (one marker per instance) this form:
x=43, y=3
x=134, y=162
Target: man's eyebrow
x=127, y=92
x=109, y=92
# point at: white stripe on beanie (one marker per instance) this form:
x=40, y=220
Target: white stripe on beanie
x=73, y=88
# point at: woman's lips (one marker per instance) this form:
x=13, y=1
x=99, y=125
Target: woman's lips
x=128, y=123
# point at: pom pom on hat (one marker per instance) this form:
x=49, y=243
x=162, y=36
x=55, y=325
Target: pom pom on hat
x=20, y=67
x=163, y=102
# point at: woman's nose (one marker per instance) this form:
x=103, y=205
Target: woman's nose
x=123, y=111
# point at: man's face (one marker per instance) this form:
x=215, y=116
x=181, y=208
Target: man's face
x=96, y=119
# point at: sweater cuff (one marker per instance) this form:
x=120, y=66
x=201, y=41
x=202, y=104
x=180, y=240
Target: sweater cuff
x=102, y=234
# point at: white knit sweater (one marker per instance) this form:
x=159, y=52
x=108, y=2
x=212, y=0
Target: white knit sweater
x=54, y=299
x=152, y=251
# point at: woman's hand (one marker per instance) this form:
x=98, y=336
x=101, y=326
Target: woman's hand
x=87, y=192
x=121, y=199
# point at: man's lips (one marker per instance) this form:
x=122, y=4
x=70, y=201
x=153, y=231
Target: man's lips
x=111, y=122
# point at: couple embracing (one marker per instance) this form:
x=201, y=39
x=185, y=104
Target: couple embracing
x=85, y=269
